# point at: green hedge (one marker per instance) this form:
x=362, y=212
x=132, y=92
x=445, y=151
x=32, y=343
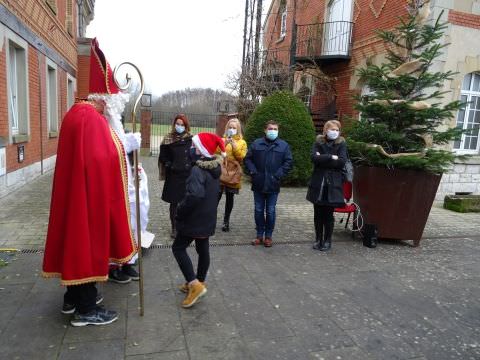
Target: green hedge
x=296, y=128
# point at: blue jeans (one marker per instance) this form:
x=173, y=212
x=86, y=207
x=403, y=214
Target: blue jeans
x=265, y=203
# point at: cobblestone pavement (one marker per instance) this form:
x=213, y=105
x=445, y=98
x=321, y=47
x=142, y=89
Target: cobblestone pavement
x=24, y=216
x=286, y=302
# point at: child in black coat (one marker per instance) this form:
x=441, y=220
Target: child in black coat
x=197, y=214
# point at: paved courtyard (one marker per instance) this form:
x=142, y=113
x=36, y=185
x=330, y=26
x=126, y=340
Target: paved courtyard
x=287, y=302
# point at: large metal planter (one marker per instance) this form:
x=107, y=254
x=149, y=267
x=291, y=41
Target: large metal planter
x=397, y=201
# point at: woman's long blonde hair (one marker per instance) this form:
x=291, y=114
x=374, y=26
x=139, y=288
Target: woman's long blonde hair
x=239, y=126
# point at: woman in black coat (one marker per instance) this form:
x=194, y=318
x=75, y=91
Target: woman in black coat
x=174, y=164
x=325, y=190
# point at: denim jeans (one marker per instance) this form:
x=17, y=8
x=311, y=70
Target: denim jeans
x=265, y=212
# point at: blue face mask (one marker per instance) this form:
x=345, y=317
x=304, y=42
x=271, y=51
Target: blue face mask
x=179, y=129
x=272, y=134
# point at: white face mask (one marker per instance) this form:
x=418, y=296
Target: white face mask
x=231, y=132
x=332, y=134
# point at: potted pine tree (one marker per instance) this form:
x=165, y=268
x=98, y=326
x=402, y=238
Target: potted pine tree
x=396, y=145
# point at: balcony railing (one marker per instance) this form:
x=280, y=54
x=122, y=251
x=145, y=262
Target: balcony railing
x=329, y=40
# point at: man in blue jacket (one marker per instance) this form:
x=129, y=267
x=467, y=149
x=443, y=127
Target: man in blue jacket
x=268, y=160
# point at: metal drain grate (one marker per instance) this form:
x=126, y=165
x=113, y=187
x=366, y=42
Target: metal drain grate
x=168, y=246
x=31, y=251
x=232, y=244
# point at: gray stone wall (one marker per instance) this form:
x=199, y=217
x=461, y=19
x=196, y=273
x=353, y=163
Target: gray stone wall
x=464, y=177
x=461, y=56
x=16, y=179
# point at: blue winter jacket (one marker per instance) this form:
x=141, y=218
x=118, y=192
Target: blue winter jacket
x=267, y=162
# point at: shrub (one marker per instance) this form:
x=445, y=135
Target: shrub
x=295, y=127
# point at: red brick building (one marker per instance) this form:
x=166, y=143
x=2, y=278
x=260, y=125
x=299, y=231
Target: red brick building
x=38, y=82
x=337, y=37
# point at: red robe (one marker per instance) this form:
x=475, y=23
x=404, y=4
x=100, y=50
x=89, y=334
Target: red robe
x=89, y=212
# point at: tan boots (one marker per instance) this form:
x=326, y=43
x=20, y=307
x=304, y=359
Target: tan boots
x=195, y=292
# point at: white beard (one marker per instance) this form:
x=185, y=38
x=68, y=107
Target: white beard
x=114, y=107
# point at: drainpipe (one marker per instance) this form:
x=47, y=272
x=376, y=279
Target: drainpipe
x=293, y=46
x=40, y=111
x=245, y=25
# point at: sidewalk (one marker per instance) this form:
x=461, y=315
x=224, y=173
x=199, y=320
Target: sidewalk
x=287, y=302
x=24, y=216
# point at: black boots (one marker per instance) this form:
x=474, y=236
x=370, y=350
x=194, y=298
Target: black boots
x=226, y=224
x=323, y=236
x=318, y=244
x=226, y=227
x=328, y=236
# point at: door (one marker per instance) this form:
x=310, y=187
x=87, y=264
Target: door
x=338, y=28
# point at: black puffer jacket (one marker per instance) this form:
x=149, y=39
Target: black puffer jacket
x=326, y=185
x=197, y=212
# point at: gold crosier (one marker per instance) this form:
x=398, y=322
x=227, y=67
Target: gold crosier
x=135, y=166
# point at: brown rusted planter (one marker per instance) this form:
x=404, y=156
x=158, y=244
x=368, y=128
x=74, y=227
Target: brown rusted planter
x=397, y=201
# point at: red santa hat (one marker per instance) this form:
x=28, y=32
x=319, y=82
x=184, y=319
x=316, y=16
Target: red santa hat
x=101, y=74
x=207, y=144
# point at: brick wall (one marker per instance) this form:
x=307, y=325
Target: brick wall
x=83, y=76
x=278, y=47
x=367, y=16
x=62, y=13
x=3, y=92
x=38, y=16
x=464, y=19
x=50, y=28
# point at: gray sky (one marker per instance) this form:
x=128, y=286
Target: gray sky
x=176, y=44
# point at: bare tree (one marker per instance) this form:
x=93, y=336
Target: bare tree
x=265, y=70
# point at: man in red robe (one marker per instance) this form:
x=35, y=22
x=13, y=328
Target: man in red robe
x=89, y=213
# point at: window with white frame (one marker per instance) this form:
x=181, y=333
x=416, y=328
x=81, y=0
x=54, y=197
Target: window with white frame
x=469, y=117
x=283, y=23
x=17, y=87
x=52, y=98
x=70, y=91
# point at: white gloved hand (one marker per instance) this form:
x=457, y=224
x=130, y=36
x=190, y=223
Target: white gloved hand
x=133, y=141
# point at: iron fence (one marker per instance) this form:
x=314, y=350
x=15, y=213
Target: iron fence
x=162, y=125
x=324, y=40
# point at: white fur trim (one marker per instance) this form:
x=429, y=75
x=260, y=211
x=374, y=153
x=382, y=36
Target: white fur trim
x=224, y=154
x=133, y=141
x=200, y=147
